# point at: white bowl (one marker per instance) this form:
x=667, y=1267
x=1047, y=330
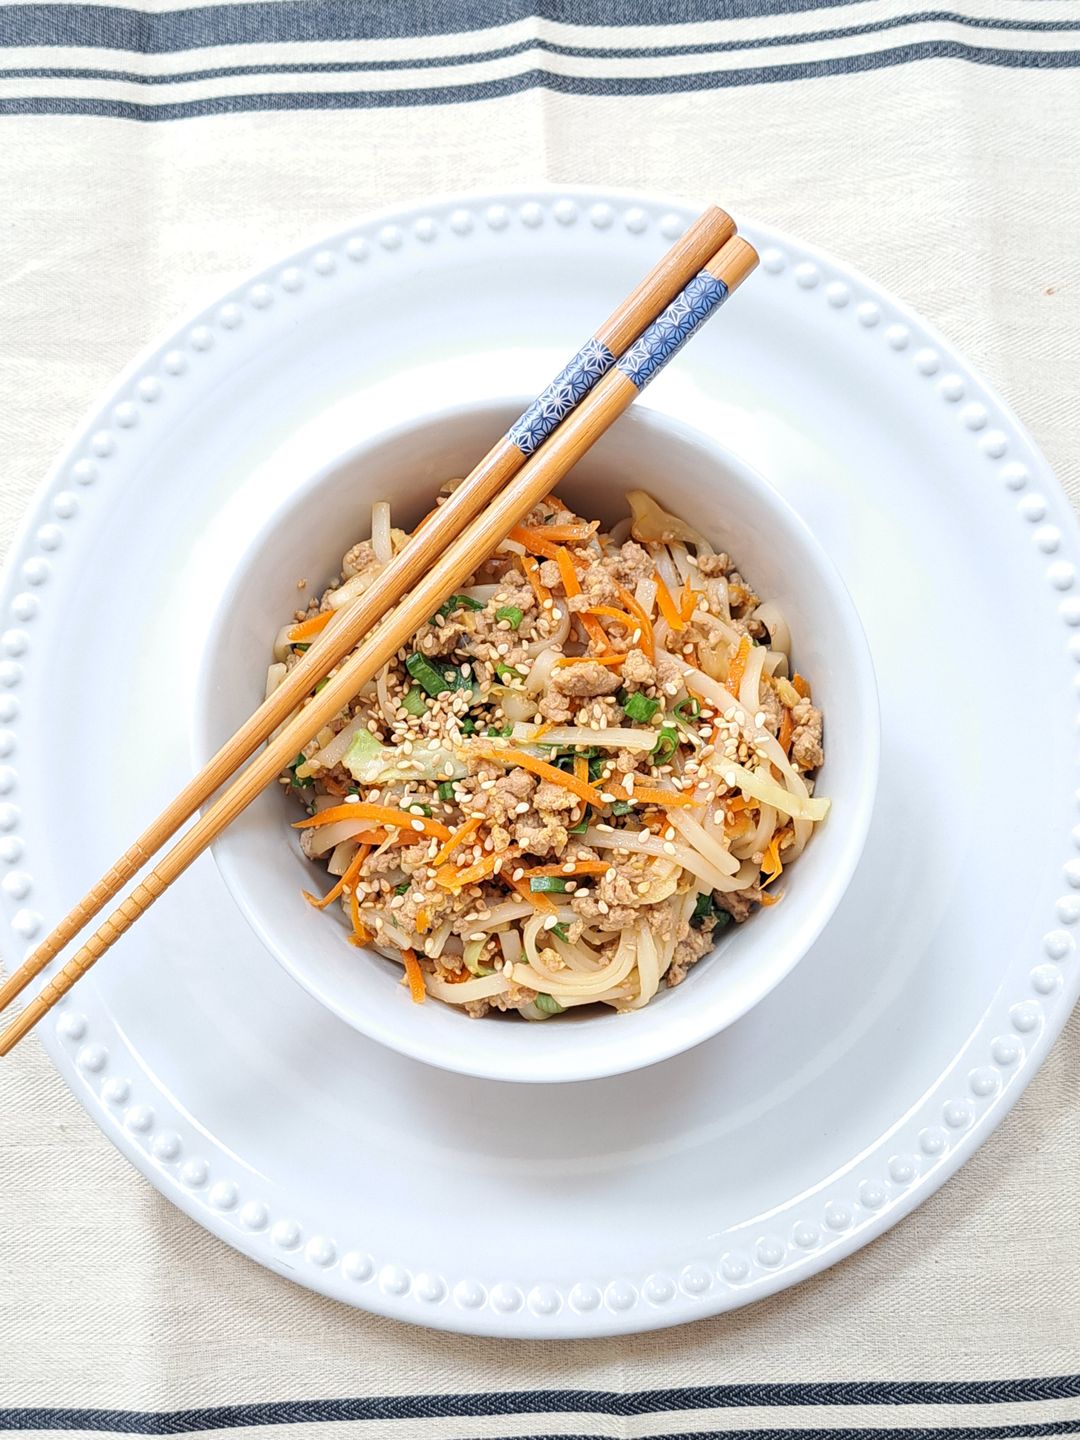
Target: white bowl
x=262, y=863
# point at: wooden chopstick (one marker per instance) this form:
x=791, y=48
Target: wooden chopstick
x=663, y=282
x=722, y=274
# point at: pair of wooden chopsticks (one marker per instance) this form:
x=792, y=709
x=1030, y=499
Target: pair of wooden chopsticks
x=695, y=276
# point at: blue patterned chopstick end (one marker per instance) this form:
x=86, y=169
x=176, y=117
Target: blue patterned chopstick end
x=591, y=362
x=671, y=329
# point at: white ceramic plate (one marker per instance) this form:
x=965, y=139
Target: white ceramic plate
x=819, y=1118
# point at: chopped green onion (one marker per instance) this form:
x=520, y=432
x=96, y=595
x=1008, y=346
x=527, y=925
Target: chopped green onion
x=639, y=707
x=413, y=701
x=688, y=709
x=468, y=726
x=422, y=670
x=622, y=807
x=561, y=931
x=298, y=784
x=500, y=732
x=416, y=808
x=512, y=613
x=548, y=1004
x=301, y=648
x=506, y=673
x=723, y=919
x=704, y=906
x=667, y=742
x=596, y=768
x=581, y=826
x=403, y=888
x=547, y=885
x=458, y=602
x=446, y=790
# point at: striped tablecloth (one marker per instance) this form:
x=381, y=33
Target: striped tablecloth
x=149, y=155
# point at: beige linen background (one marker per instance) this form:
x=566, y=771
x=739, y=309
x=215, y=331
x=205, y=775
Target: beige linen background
x=958, y=187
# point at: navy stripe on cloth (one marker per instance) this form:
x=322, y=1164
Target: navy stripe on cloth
x=587, y=1402
x=545, y=47
x=297, y=20
x=541, y=79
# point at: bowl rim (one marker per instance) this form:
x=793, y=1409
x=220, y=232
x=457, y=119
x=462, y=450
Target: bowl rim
x=676, y=1034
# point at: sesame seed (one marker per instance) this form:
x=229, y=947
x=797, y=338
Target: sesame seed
x=418, y=826
x=669, y=848
x=477, y=935
x=352, y=799
x=550, y=921
x=603, y=907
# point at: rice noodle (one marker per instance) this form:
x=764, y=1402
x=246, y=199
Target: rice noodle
x=758, y=838
x=620, y=533
x=557, y=636
x=682, y=564
x=342, y=857
x=665, y=567
x=539, y=677
x=274, y=676
x=643, y=842
x=615, y=971
x=772, y=617
x=696, y=835
x=463, y=991
x=518, y=707
x=648, y=968
x=503, y=915
x=645, y=594
x=380, y=532
x=750, y=687
x=510, y=945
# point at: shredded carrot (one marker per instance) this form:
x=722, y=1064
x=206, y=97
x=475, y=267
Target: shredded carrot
x=451, y=878
x=668, y=609
x=361, y=934
x=383, y=814
x=349, y=878
x=687, y=601
x=460, y=834
x=423, y=921
x=311, y=626
x=595, y=659
x=532, y=574
x=630, y=623
x=581, y=768
x=536, y=898
x=572, y=585
x=737, y=666
x=648, y=643
x=415, y=977
x=770, y=899
x=772, y=866
x=583, y=791
x=647, y=795
x=579, y=867
x=540, y=538
x=542, y=730
x=535, y=541
x=801, y=685
x=787, y=729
